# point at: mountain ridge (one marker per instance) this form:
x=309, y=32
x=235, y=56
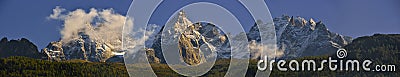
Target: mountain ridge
x=296, y=37
x=19, y=47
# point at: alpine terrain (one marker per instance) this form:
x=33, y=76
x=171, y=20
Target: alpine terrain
x=296, y=37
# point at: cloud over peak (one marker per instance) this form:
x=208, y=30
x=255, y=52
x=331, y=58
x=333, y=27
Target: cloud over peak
x=101, y=25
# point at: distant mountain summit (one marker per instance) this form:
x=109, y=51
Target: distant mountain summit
x=20, y=47
x=193, y=39
x=298, y=37
x=83, y=48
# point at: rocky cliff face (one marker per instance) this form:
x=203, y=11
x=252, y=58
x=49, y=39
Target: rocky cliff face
x=191, y=39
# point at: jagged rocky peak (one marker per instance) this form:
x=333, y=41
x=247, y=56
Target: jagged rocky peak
x=284, y=22
x=312, y=23
x=182, y=22
x=19, y=47
x=320, y=26
x=298, y=21
x=83, y=48
x=298, y=37
x=195, y=40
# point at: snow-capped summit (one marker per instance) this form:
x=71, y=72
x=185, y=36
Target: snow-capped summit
x=298, y=37
x=83, y=48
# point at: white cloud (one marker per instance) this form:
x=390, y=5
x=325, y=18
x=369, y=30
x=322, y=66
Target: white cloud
x=56, y=12
x=101, y=25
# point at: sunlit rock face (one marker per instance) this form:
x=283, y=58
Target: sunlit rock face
x=196, y=41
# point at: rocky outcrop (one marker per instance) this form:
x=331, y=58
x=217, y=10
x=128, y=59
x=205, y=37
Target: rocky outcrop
x=189, y=48
x=54, y=52
x=151, y=56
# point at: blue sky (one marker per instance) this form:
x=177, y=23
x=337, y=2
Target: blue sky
x=27, y=18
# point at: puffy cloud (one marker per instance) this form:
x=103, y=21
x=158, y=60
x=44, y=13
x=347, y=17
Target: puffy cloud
x=56, y=12
x=101, y=25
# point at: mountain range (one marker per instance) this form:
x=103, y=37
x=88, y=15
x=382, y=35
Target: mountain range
x=296, y=37
x=380, y=48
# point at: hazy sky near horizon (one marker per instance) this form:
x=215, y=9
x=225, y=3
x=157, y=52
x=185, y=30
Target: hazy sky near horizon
x=27, y=18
